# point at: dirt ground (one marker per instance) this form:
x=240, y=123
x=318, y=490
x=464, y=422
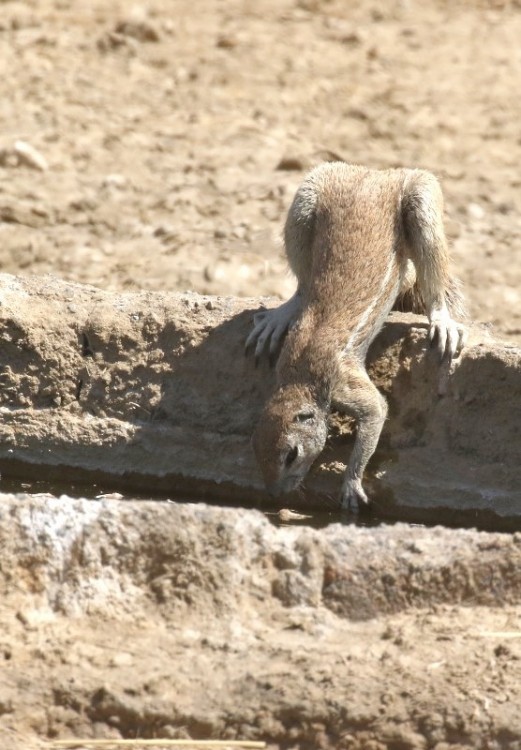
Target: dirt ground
x=174, y=139
x=169, y=140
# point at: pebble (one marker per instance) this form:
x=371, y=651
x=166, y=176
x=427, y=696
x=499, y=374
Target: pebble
x=142, y=31
x=475, y=211
x=113, y=41
x=115, y=180
x=224, y=41
x=293, y=163
x=29, y=156
x=121, y=659
x=23, y=153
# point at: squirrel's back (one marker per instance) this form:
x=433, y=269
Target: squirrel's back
x=344, y=240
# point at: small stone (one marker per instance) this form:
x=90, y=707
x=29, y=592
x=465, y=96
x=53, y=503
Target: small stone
x=240, y=231
x=113, y=41
x=115, y=180
x=505, y=207
x=293, y=164
x=224, y=41
x=475, y=211
x=164, y=230
x=142, y=31
x=121, y=659
x=29, y=156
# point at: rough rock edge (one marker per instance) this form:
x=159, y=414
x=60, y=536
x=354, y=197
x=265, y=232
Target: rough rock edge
x=69, y=550
x=226, y=582
x=152, y=393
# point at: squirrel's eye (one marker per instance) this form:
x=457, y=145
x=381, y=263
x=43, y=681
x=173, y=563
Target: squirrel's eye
x=304, y=416
x=291, y=456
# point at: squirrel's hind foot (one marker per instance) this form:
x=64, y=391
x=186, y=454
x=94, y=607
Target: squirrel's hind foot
x=446, y=335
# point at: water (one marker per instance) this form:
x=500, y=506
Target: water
x=376, y=514
x=95, y=491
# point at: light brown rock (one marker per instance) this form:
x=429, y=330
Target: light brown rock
x=172, y=620
x=152, y=392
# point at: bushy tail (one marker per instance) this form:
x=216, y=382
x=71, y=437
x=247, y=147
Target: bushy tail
x=422, y=217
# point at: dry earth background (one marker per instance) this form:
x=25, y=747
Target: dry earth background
x=174, y=135
x=163, y=125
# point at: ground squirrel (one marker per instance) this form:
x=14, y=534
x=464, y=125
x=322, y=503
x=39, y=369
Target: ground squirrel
x=357, y=239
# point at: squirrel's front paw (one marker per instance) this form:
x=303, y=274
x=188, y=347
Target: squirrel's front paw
x=447, y=335
x=353, y=495
x=270, y=327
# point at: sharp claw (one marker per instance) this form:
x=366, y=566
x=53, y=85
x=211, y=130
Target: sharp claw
x=438, y=334
x=276, y=336
x=261, y=342
x=353, y=497
x=258, y=318
x=452, y=344
x=253, y=338
x=250, y=341
x=269, y=326
x=462, y=338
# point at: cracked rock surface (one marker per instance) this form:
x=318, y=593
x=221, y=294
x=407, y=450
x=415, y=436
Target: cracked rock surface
x=141, y=619
x=151, y=392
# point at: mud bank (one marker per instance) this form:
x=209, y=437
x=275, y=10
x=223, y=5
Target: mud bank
x=152, y=392
x=138, y=619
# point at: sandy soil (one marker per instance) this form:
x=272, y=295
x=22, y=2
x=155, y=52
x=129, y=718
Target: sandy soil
x=174, y=139
x=169, y=139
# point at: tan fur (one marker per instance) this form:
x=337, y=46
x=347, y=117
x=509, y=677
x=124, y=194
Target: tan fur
x=356, y=239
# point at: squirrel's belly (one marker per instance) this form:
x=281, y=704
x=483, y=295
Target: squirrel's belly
x=365, y=324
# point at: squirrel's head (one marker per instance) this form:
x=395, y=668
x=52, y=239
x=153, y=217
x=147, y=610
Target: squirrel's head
x=290, y=435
